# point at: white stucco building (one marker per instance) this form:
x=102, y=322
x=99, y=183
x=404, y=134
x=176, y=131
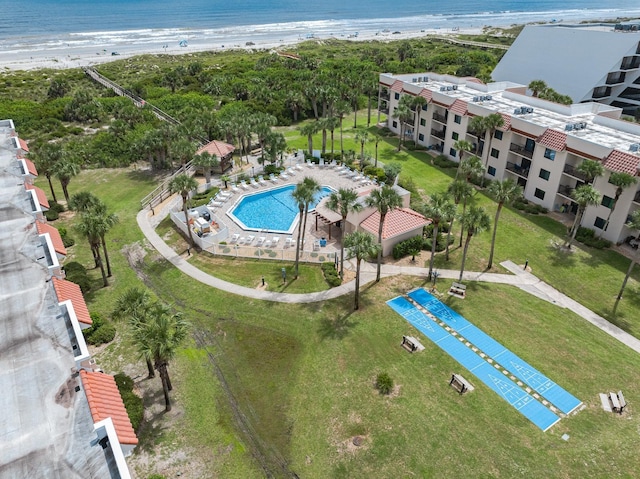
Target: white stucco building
x=539, y=146
x=599, y=62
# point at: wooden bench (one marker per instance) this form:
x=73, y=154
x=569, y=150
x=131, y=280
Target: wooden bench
x=411, y=344
x=460, y=384
x=618, y=401
x=458, y=290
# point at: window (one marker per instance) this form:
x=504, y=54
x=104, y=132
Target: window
x=498, y=135
x=599, y=222
x=544, y=174
x=423, y=122
x=495, y=153
x=491, y=171
x=539, y=194
x=529, y=145
x=607, y=201
x=421, y=137
x=455, y=136
x=452, y=152
x=457, y=119
x=425, y=106
x=549, y=153
x=395, y=124
x=396, y=96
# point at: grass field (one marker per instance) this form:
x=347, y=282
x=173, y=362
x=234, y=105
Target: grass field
x=293, y=384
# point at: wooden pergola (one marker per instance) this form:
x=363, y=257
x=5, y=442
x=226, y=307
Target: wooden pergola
x=327, y=216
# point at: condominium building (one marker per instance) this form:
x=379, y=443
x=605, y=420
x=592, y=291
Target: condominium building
x=540, y=145
x=61, y=416
x=589, y=62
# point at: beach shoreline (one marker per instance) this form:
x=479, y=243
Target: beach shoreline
x=76, y=57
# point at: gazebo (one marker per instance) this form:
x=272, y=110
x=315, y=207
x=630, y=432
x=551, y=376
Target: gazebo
x=224, y=152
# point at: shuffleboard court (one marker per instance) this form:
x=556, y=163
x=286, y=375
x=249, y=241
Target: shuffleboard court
x=533, y=378
x=523, y=402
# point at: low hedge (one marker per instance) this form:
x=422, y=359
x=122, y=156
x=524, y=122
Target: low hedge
x=76, y=273
x=588, y=238
x=132, y=402
x=100, y=332
x=331, y=275
x=408, y=247
x=443, y=162
x=531, y=208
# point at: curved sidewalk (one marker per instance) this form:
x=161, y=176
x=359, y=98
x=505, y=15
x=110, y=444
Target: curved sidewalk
x=521, y=279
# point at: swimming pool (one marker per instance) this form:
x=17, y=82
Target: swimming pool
x=273, y=210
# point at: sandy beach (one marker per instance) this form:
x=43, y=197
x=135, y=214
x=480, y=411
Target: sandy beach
x=76, y=57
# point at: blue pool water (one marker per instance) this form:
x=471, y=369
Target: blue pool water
x=273, y=210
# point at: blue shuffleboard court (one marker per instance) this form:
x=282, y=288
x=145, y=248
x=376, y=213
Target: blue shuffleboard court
x=523, y=402
x=533, y=378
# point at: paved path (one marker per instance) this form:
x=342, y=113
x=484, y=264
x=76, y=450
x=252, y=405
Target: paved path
x=520, y=278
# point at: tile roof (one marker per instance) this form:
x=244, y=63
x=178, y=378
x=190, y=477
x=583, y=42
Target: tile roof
x=56, y=239
x=553, y=139
x=105, y=401
x=218, y=148
x=23, y=145
x=66, y=290
x=31, y=168
x=42, y=197
x=397, y=221
x=426, y=93
x=507, y=121
x=397, y=86
x=459, y=107
x=622, y=162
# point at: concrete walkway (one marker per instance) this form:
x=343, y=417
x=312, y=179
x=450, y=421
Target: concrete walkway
x=520, y=278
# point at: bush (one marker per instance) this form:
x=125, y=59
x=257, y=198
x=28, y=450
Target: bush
x=531, y=208
x=100, y=332
x=588, y=238
x=132, y=402
x=76, y=273
x=384, y=383
x=407, y=247
x=444, y=162
x=375, y=172
x=441, y=242
x=331, y=275
x=67, y=240
x=51, y=215
x=271, y=169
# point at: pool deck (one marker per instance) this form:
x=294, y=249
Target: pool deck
x=324, y=175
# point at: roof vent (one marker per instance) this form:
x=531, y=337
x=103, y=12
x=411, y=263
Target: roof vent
x=476, y=99
x=455, y=87
x=634, y=147
x=568, y=127
x=443, y=88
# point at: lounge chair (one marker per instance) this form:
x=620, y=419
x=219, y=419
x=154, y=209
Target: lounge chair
x=241, y=240
x=215, y=204
x=234, y=238
x=298, y=167
x=249, y=239
x=288, y=242
x=267, y=244
x=310, y=164
x=284, y=176
x=244, y=185
x=316, y=245
x=261, y=240
x=273, y=178
x=345, y=172
x=275, y=240
x=261, y=180
x=235, y=188
x=254, y=183
x=291, y=171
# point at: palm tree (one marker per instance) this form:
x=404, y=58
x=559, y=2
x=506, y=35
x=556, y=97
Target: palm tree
x=383, y=199
x=417, y=102
x=591, y=169
x=65, y=169
x=403, y=114
x=475, y=221
x=489, y=124
x=361, y=137
x=503, y=192
x=621, y=181
x=45, y=157
x=90, y=226
x=206, y=161
x=459, y=191
x=135, y=303
x=537, y=87
x=471, y=168
x=438, y=209
x=104, y=224
x=303, y=194
x=184, y=184
x=308, y=130
x=376, y=140
x=342, y=108
x=633, y=224
x=360, y=245
x=157, y=339
x=275, y=144
x=345, y=201
x=585, y=195
x=462, y=146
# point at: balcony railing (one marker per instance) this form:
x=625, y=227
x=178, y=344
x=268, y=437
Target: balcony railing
x=439, y=118
x=636, y=199
x=630, y=64
x=385, y=95
x=518, y=170
x=438, y=134
x=613, y=80
x=411, y=122
x=520, y=150
x=565, y=190
x=572, y=171
x=384, y=110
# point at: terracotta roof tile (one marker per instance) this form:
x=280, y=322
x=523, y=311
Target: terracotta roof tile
x=66, y=290
x=622, y=162
x=56, y=239
x=218, y=148
x=31, y=168
x=553, y=139
x=507, y=121
x=397, y=86
x=23, y=145
x=105, y=401
x=473, y=80
x=459, y=107
x=397, y=221
x=42, y=197
x=426, y=93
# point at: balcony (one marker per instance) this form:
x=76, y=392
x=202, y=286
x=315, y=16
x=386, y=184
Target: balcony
x=438, y=134
x=630, y=63
x=411, y=122
x=440, y=118
x=384, y=110
x=615, y=78
x=601, y=92
x=518, y=170
x=636, y=199
x=520, y=150
x=572, y=171
x=565, y=190
x=385, y=95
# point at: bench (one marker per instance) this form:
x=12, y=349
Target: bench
x=458, y=290
x=411, y=344
x=618, y=402
x=460, y=384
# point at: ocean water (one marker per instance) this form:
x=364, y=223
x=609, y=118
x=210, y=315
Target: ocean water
x=30, y=25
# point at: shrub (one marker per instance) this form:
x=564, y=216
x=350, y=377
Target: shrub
x=76, y=273
x=384, y=383
x=124, y=382
x=376, y=172
x=100, y=332
x=271, y=169
x=51, y=215
x=55, y=206
x=444, y=162
x=331, y=275
x=132, y=402
x=407, y=247
x=67, y=240
x=531, y=208
x=588, y=237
